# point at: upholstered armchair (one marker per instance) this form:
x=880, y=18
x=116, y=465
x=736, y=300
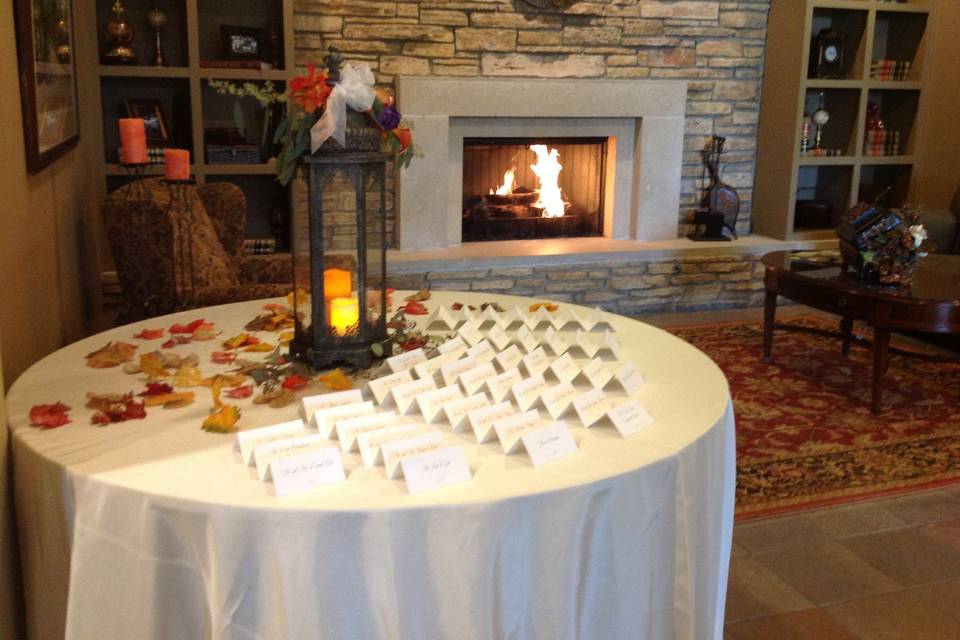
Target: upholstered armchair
x=183, y=248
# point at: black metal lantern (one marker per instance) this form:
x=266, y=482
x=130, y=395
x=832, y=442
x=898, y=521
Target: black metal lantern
x=340, y=260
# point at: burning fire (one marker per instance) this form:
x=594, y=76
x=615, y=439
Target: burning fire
x=507, y=187
x=548, y=169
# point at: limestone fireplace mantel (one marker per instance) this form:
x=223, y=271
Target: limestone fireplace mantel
x=644, y=120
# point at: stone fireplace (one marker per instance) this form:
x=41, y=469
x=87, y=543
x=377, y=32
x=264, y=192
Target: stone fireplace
x=639, y=122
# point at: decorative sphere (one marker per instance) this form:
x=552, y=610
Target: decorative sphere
x=120, y=31
x=156, y=19
x=820, y=117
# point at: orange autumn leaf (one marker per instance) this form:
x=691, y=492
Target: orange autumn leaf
x=187, y=376
x=240, y=340
x=149, y=334
x=225, y=380
x=262, y=347
x=336, y=380
x=205, y=331
x=549, y=306
x=152, y=365
x=222, y=420
x=111, y=355
x=170, y=400
x=286, y=337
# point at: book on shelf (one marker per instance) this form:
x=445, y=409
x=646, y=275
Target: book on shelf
x=236, y=64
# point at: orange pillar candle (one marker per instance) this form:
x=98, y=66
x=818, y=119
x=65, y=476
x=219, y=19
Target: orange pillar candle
x=344, y=313
x=176, y=164
x=336, y=283
x=133, y=141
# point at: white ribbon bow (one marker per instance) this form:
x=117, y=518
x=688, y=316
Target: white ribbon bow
x=355, y=90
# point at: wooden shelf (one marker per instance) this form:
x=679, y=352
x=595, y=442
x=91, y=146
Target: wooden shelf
x=268, y=168
x=134, y=71
x=875, y=5
x=905, y=160
x=243, y=74
x=826, y=161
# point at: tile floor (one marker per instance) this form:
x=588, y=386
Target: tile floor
x=883, y=569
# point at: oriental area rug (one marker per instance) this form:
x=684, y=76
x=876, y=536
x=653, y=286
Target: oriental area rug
x=805, y=433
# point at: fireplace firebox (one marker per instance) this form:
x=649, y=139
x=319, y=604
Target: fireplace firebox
x=531, y=188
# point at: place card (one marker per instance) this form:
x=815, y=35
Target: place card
x=246, y=441
x=555, y=342
x=526, y=339
x=601, y=320
x=548, y=443
x=481, y=420
x=454, y=344
x=564, y=368
x=451, y=371
x=630, y=379
x=506, y=319
x=629, y=417
x=324, y=419
x=500, y=386
x=406, y=360
x=403, y=395
x=264, y=453
x=381, y=387
x=475, y=378
x=509, y=428
x=529, y=321
x=527, y=392
x=442, y=316
x=591, y=406
x=610, y=343
x=309, y=404
x=597, y=373
x=369, y=442
x=509, y=358
x=396, y=450
x=587, y=344
x=482, y=352
x=543, y=316
x=557, y=399
x=472, y=317
x=431, y=403
x=560, y=319
x=429, y=368
x=305, y=471
x=349, y=429
x=536, y=362
x=587, y=321
x=489, y=316
x=456, y=411
x=471, y=333
x=498, y=337
x=435, y=469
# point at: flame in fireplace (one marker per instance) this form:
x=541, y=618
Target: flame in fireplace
x=507, y=187
x=548, y=169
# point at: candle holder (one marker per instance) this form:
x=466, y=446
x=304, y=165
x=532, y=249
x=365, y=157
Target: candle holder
x=157, y=20
x=185, y=274
x=119, y=33
x=134, y=172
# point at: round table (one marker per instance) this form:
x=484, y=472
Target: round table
x=152, y=528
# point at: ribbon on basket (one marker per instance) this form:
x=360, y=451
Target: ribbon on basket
x=355, y=90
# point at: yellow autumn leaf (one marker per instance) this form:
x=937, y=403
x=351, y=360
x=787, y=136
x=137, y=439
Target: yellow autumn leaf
x=228, y=380
x=205, y=331
x=170, y=400
x=260, y=348
x=236, y=341
x=336, y=380
x=222, y=420
x=187, y=375
x=286, y=336
x=152, y=365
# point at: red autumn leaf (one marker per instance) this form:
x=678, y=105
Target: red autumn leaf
x=119, y=412
x=240, y=392
x=49, y=416
x=456, y=306
x=412, y=343
x=186, y=328
x=169, y=344
x=156, y=389
x=398, y=325
x=149, y=334
x=223, y=357
x=295, y=382
x=414, y=308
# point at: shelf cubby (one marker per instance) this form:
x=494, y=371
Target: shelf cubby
x=173, y=36
x=843, y=107
x=900, y=36
x=898, y=109
x=875, y=179
x=266, y=16
x=850, y=22
x=828, y=184
x=245, y=114
x=267, y=206
x=173, y=95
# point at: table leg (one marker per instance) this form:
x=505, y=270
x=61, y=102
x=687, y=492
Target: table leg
x=846, y=331
x=769, y=314
x=881, y=343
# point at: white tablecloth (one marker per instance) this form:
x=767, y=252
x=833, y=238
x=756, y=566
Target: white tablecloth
x=165, y=535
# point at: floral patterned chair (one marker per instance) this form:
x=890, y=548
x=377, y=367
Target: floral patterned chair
x=182, y=247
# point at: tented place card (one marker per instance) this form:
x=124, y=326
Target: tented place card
x=543, y=317
x=629, y=417
x=470, y=333
x=505, y=319
x=248, y=440
x=481, y=420
x=435, y=469
x=489, y=317
x=560, y=319
x=369, y=441
x=586, y=320
x=475, y=378
x=548, y=443
x=406, y=360
x=597, y=373
x=555, y=342
x=482, y=352
x=403, y=395
x=536, y=362
x=451, y=371
x=557, y=399
x=431, y=402
x=564, y=368
x=305, y=471
x=456, y=411
x=529, y=321
x=509, y=358
x=527, y=392
x=591, y=406
x=324, y=419
x=630, y=379
x=526, y=339
x=500, y=386
x=610, y=343
x=264, y=453
x=429, y=368
x=601, y=320
x=587, y=344
x=396, y=450
x=348, y=430
x=442, y=317
x=472, y=317
x=498, y=337
x=381, y=387
x=508, y=429
x=455, y=344
x=310, y=404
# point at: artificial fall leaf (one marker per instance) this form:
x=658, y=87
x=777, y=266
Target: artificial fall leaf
x=295, y=382
x=223, y=357
x=168, y=344
x=156, y=389
x=262, y=347
x=549, y=306
x=286, y=337
x=414, y=308
x=186, y=328
x=49, y=416
x=187, y=375
x=205, y=331
x=170, y=400
x=114, y=407
x=149, y=334
x=336, y=380
x=456, y=306
x=240, y=392
x=397, y=325
x=241, y=340
x=412, y=343
x=152, y=365
x=419, y=296
x=225, y=379
x=277, y=398
x=102, y=401
x=222, y=420
x=111, y=355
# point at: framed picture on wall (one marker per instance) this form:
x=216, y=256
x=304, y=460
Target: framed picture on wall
x=152, y=113
x=48, y=79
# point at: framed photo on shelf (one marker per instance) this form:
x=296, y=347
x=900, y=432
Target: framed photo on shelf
x=48, y=80
x=152, y=113
x=242, y=43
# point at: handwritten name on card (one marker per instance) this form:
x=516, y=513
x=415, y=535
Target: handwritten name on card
x=396, y=450
x=564, y=368
x=475, y=378
x=435, y=469
x=591, y=406
x=555, y=342
x=431, y=402
x=305, y=471
x=348, y=430
x=369, y=441
x=630, y=379
x=430, y=367
x=324, y=419
x=597, y=373
x=404, y=394
x=481, y=420
x=310, y=404
x=548, y=443
x=500, y=386
x=264, y=453
x=247, y=440
x=536, y=362
x=457, y=410
x=629, y=417
x=498, y=338
x=557, y=399
x=587, y=344
x=528, y=391
x=508, y=429
x=509, y=358
x=611, y=344
x=380, y=387
x=482, y=352
x=527, y=340
x=451, y=371
x=529, y=321
x=406, y=360
x=454, y=344
x=470, y=333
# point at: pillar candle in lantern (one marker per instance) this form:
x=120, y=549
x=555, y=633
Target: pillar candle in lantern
x=344, y=313
x=336, y=283
x=133, y=141
x=176, y=164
